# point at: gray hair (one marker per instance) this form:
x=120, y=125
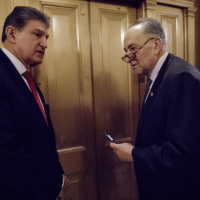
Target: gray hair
x=20, y=16
x=151, y=27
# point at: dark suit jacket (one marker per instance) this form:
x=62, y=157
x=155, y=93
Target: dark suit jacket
x=29, y=164
x=167, y=149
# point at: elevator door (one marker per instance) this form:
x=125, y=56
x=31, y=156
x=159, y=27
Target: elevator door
x=90, y=90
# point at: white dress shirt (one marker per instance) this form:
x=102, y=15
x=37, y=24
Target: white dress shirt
x=156, y=70
x=19, y=66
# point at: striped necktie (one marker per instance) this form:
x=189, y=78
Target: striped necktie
x=149, y=81
x=33, y=88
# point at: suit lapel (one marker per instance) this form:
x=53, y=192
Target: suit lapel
x=16, y=77
x=152, y=95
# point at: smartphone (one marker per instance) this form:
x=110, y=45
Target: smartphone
x=110, y=138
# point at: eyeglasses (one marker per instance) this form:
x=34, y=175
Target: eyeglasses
x=132, y=56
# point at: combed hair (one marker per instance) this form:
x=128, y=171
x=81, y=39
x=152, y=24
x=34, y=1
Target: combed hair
x=20, y=16
x=151, y=27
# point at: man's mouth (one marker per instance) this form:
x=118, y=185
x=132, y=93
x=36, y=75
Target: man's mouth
x=41, y=52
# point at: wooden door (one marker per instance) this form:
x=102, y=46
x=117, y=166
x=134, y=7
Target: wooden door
x=172, y=20
x=116, y=98
x=65, y=79
x=87, y=98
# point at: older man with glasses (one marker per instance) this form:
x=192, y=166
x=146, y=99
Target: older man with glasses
x=166, y=153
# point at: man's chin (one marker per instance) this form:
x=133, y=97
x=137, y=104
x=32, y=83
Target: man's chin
x=137, y=70
x=35, y=63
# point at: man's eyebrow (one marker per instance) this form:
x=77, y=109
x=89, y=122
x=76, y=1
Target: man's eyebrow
x=37, y=29
x=130, y=45
x=41, y=31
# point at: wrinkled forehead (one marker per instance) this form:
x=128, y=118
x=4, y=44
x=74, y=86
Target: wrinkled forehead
x=36, y=25
x=134, y=36
x=32, y=24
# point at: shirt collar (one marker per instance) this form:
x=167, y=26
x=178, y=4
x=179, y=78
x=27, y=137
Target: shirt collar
x=18, y=65
x=158, y=66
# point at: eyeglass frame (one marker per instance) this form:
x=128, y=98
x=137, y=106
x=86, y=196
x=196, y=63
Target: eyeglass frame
x=134, y=53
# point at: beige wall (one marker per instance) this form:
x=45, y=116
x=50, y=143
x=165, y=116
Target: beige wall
x=197, y=34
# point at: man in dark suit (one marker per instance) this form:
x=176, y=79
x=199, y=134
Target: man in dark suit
x=29, y=163
x=166, y=154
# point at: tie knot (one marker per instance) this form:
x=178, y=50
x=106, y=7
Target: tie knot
x=149, y=81
x=27, y=75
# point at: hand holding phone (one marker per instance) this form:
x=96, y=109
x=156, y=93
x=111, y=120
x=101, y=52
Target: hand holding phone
x=123, y=151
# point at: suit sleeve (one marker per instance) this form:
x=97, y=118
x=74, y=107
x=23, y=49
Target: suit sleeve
x=20, y=169
x=180, y=148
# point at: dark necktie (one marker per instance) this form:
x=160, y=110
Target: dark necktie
x=32, y=86
x=149, y=81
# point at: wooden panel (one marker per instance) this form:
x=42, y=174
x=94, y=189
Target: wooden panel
x=65, y=79
x=191, y=36
x=3, y=15
x=151, y=9
x=116, y=75
x=6, y=7
x=116, y=98
x=172, y=20
x=64, y=76
x=170, y=25
x=113, y=80
x=15, y=3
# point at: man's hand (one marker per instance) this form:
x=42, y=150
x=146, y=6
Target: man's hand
x=123, y=151
x=65, y=189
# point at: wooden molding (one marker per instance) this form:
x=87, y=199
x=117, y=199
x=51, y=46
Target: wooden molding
x=191, y=12
x=150, y=8
x=181, y=3
x=151, y=4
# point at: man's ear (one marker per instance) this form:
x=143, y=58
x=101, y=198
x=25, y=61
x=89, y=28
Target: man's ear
x=10, y=32
x=158, y=45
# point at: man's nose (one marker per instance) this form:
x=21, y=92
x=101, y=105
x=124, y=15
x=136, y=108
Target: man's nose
x=43, y=43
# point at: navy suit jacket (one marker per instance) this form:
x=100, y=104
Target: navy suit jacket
x=29, y=163
x=167, y=149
